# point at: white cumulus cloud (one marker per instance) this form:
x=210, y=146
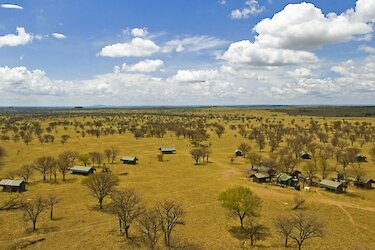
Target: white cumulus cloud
x=246, y=52
x=137, y=47
x=139, y=32
x=145, y=66
x=252, y=7
x=11, y=6
x=58, y=35
x=22, y=81
x=291, y=34
x=21, y=38
x=305, y=27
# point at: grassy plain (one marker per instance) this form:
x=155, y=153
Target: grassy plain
x=349, y=219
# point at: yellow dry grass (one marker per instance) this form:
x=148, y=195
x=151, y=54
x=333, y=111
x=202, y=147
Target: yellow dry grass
x=349, y=219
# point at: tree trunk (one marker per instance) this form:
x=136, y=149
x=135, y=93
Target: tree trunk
x=51, y=213
x=101, y=203
x=34, y=225
x=286, y=241
x=127, y=231
x=241, y=221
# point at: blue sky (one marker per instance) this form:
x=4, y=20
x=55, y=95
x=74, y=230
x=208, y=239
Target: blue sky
x=184, y=52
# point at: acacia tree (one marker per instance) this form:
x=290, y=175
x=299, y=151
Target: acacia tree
x=126, y=204
x=32, y=209
x=219, y=130
x=171, y=214
x=240, y=201
x=196, y=153
x=44, y=164
x=149, y=225
x=101, y=185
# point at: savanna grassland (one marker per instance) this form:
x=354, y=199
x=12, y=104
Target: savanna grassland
x=348, y=219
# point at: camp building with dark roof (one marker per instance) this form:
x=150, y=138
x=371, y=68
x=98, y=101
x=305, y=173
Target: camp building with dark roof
x=129, y=160
x=304, y=155
x=261, y=177
x=360, y=158
x=286, y=180
x=334, y=186
x=82, y=170
x=13, y=185
x=364, y=183
x=238, y=152
x=167, y=150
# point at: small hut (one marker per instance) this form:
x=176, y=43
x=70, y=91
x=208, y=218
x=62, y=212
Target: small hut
x=334, y=186
x=132, y=160
x=360, y=158
x=261, y=177
x=238, y=152
x=13, y=185
x=82, y=170
x=166, y=150
x=364, y=183
x=304, y=155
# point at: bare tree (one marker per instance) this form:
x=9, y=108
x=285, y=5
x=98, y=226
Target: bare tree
x=14, y=202
x=372, y=153
x=26, y=171
x=196, y=153
x=255, y=159
x=108, y=154
x=32, y=209
x=298, y=202
x=219, y=130
x=51, y=201
x=44, y=164
x=324, y=167
x=261, y=141
x=171, y=214
x=64, y=138
x=253, y=231
x=84, y=158
x=101, y=185
x=149, y=225
x=284, y=225
x=114, y=154
x=305, y=227
x=244, y=148
x=206, y=152
x=64, y=163
x=126, y=204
